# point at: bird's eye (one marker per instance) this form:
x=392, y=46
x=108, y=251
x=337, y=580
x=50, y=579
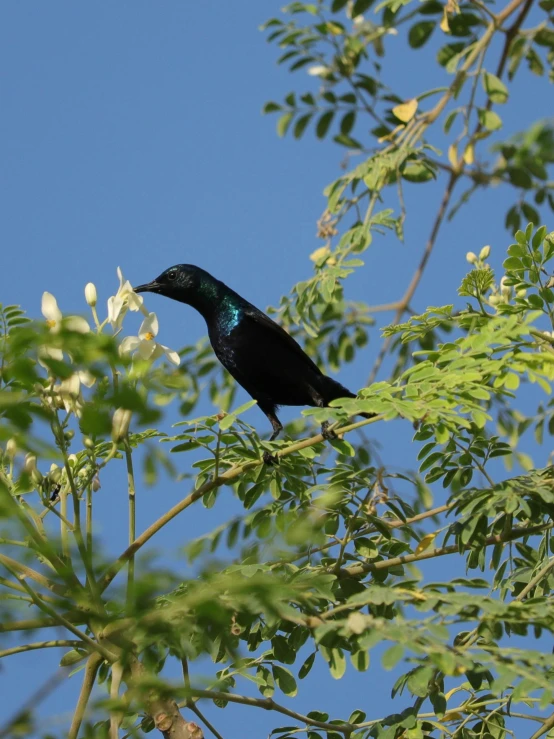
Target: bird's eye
x=171, y=275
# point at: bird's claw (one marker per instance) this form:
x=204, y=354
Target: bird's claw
x=327, y=433
x=270, y=458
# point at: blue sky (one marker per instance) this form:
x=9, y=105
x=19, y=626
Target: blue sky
x=131, y=135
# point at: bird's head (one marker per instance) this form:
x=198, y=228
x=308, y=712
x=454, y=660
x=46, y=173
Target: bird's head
x=178, y=282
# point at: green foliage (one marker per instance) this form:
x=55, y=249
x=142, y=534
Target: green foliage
x=326, y=560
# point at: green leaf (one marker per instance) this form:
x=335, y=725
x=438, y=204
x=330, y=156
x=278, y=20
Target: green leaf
x=360, y=6
x=420, y=33
x=284, y=680
x=324, y=123
x=392, y=656
x=418, y=171
x=366, y=547
x=301, y=125
x=283, y=123
x=306, y=666
x=360, y=660
x=495, y=88
x=337, y=663
x=227, y=421
x=347, y=122
x=489, y=119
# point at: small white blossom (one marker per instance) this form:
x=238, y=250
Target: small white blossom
x=69, y=390
x=145, y=345
x=50, y=352
x=484, y=253
x=122, y=301
x=54, y=317
x=51, y=312
x=471, y=257
x=90, y=294
x=11, y=448
x=318, y=70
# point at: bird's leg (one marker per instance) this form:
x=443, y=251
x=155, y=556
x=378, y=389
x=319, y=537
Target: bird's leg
x=326, y=432
x=277, y=428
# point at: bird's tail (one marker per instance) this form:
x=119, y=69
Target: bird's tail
x=333, y=390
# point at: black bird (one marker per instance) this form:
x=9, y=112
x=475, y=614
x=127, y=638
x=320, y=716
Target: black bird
x=262, y=357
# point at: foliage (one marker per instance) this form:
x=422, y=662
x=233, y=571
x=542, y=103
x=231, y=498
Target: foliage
x=321, y=567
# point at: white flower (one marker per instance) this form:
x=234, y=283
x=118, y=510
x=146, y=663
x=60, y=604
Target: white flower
x=50, y=352
x=69, y=390
x=51, y=312
x=484, y=253
x=77, y=324
x=318, y=70
x=124, y=299
x=145, y=345
x=54, y=316
x=471, y=257
x=90, y=294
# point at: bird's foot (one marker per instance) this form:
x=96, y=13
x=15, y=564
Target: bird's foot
x=270, y=458
x=327, y=433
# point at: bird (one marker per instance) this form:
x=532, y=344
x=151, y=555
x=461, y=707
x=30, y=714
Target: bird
x=261, y=356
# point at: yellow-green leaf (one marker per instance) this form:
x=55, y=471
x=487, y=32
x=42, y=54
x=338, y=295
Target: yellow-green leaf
x=425, y=543
x=406, y=111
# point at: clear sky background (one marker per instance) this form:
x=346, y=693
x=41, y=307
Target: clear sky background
x=131, y=135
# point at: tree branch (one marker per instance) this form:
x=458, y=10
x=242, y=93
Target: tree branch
x=223, y=479
x=386, y=564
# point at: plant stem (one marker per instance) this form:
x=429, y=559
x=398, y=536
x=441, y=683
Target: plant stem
x=91, y=670
x=132, y=521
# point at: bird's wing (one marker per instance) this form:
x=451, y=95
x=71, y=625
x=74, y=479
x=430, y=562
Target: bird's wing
x=280, y=336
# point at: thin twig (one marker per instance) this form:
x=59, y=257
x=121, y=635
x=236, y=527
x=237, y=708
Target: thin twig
x=269, y=704
x=132, y=520
x=40, y=645
x=517, y=533
x=412, y=287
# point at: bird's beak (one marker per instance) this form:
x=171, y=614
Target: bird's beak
x=149, y=287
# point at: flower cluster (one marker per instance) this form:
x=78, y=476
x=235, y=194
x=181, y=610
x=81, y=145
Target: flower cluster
x=68, y=393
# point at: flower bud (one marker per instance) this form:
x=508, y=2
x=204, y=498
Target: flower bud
x=506, y=290
x=521, y=293
x=484, y=253
x=471, y=257
x=90, y=294
x=494, y=300
x=55, y=473
x=30, y=467
x=30, y=463
x=72, y=459
x=88, y=442
x=11, y=448
x=95, y=485
x=120, y=423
